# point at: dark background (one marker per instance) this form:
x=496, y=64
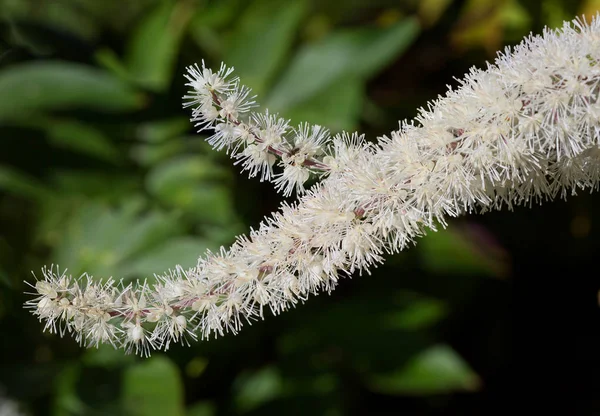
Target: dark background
x=100, y=171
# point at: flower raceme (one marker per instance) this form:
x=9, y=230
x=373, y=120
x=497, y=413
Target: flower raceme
x=525, y=129
x=256, y=141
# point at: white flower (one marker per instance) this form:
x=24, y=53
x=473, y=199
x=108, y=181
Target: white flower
x=525, y=129
x=343, y=151
x=309, y=141
x=255, y=140
x=8, y=407
x=236, y=102
x=256, y=160
x=293, y=177
x=46, y=289
x=269, y=129
x=204, y=81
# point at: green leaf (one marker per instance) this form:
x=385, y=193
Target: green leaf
x=202, y=409
x=183, y=251
x=107, y=58
x=104, y=241
x=256, y=388
x=416, y=312
x=66, y=401
x=53, y=26
x=436, y=370
x=262, y=39
x=358, y=52
x=154, y=46
x=555, y=12
x=337, y=106
x=161, y=141
x=383, y=344
x=41, y=86
x=204, y=29
x=28, y=38
x=462, y=251
x=431, y=10
x=153, y=388
x=161, y=130
x=21, y=184
x=196, y=367
x=152, y=154
x=378, y=48
x=217, y=14
x=211, y=203
x=70, y=19
x=183, y=171
x=95, y=184
x=106, y=356
x=83, y=138
x=194, y=184
x=5, y=281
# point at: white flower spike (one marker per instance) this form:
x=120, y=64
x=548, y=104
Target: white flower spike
x=525, y=129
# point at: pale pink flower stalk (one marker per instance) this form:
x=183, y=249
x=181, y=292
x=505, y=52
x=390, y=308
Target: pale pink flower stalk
x=524, y=130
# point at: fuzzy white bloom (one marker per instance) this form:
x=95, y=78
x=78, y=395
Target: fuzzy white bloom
x=524, y=130
x=255, y=140
x=9, y=408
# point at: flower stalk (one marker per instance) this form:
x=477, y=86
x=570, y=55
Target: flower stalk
x=526, y=129
x=256, y=140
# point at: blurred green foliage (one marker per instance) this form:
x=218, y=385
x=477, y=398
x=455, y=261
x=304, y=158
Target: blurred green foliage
x=101, y=172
